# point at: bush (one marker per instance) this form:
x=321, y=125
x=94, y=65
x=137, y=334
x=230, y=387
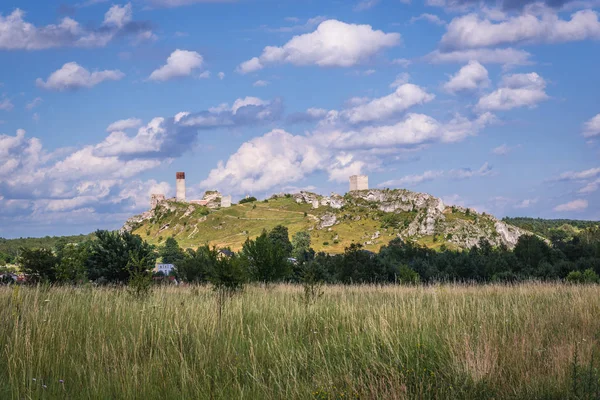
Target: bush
x=587, y=276
x=407, y=275
x=250, y=199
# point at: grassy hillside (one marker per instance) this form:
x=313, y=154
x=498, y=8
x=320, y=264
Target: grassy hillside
x=358, y=221
x=229, y=227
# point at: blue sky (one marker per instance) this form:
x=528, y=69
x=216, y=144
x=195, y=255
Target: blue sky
x=493, y=106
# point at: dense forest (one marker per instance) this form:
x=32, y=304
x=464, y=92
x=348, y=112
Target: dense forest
x=112, y=257
x=9, y=248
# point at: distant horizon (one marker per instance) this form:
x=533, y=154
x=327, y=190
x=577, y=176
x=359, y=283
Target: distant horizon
x=491, y=106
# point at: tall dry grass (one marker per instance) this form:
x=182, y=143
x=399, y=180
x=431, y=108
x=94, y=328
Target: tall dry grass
x=447, y=341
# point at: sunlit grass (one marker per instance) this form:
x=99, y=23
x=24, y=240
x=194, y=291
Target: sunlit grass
x=353, y=342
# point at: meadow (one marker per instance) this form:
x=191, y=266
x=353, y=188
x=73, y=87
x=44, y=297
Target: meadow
x=528, y=341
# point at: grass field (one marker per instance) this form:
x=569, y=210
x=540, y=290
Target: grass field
x=534, y=341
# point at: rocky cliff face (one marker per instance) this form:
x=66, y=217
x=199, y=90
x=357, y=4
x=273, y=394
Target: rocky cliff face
x=420, y=215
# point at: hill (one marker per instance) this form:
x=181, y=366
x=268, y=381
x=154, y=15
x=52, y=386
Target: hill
x=369, y=217
x=549, y=228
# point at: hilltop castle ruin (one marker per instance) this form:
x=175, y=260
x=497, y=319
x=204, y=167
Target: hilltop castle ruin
x=359, y=182
x=211, y=198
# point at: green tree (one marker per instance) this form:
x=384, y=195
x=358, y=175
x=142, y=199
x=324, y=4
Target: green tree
x=38, y=264
x=301, y=246
x=171, y=253
x=197, y=265
x=531, y=250
x=71, y=264
x=111, y=252
x=266, y=262
x=280, y=237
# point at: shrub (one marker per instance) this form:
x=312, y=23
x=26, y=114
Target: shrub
x=587, y=276
x=250, y=199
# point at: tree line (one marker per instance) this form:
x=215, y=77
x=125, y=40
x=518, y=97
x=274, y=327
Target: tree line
x=119, y=258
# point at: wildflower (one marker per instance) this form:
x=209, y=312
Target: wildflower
x=34, y=379
x=44, y=386
x=61, y=381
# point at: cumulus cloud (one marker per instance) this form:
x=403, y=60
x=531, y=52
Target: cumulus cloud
x=404, y=97
x=332, y=44
x=72, y=76
x=17, y=34
x=575, y=205
x=526, y=203
x=474, y=31
x=334, y=150
x=517, y=90
x=124, y=124
x=221, y=75
x=260, y=83
x=592, y=127
x=431, y=18
x=507, y=57
x=180, y=63
x=471, y=77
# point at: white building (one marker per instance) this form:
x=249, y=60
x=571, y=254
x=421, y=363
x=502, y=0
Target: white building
x=164, y=268
x=359, y=182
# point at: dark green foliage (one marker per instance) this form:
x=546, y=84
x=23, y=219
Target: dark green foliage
x=71, y=263
x=171, y=253
x=111, y=253
x=197, y=265
x=280, y=238
x=266, y=262
x=360, y=266
x=140, y=276
x=228, y=274
x=250, y=199
x=587, y=276
x=38, y=264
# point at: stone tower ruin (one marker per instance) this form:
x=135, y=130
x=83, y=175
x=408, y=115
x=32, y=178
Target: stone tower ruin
x=359, y=182
x=180, y=186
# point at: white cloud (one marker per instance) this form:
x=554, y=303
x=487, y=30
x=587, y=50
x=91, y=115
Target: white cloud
x=34, y=103
x=400, y=80
x=332, y=44
x=16, y=33
x=590, y=187
x=575, y=205
x=434, y=19
x=204, y=75
x=579, y=175
x=526, y=203
x=118, y=15
x=124, y=124
x=517, y=90
x=403, y=62
x=221, y=75
x=592, y=127
x=472, y=31
x=6, y=105
x=471, y=77
x=73, y=76
x=180, y=63
x=411, y=180
x=404, y=97
x=427, y=176
x=503, y=149
x=260, y=83
x=507, y=56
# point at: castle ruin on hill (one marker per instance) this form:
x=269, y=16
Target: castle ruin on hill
x=211, y=198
